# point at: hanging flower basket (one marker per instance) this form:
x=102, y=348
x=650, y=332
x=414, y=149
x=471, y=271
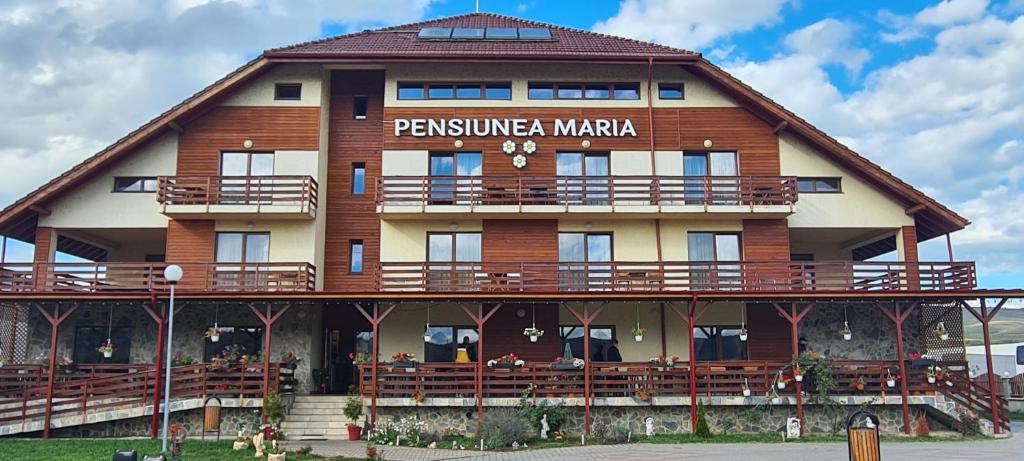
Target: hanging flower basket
x=213, y=333
x=846, y=332
x=106, y=348
x=533, y=333
x=798, y=375
x=638, y=333
x=744, y=334
x=746, y=391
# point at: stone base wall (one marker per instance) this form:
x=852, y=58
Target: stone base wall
x=231, y=421
x=676, y=419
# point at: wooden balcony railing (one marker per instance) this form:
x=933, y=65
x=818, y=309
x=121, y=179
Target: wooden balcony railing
x=259, y=191
x=675, y=276
x=127, y=277
x=612, y=191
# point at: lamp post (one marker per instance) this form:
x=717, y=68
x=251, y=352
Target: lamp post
x=172, y=274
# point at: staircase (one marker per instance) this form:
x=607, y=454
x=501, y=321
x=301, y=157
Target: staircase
x=316, y=417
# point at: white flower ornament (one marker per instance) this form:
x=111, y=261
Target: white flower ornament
x=519, y=161
x=529, y=146
x=508, y=147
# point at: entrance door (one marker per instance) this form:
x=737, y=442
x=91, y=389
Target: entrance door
x=347, y=339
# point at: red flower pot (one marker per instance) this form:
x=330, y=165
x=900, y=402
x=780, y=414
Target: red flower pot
x=353, y=432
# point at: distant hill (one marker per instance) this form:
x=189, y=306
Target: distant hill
x=1007, y=327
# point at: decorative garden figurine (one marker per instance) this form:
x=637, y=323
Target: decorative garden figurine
x=649, y=426
x=544, y=427
x=257, y=442
x=793, y=428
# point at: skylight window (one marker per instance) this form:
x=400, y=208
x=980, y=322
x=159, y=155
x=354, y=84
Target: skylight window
x=469, y=34
x=502, y=33
x=435, y=32
x=534, y=34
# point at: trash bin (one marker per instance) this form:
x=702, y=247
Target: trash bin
x=211, y=417
x=862, y=437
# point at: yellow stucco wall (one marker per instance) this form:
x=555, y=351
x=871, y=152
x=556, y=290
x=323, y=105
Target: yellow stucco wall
x=95, y=205
x=860, y=205
x=260, y=92
x=405, y=163
x=290, y=241
x=406, y=241
x=697, y=92
x=673, y=234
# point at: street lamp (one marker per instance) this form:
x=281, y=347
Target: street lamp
x=172, y=274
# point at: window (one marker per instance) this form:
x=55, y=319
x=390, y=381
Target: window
x=359, y=106
x=469, y=91
x=243, y=247
x=89, y=338
x=601, y=338
x=288, y=91
x=358, y=178
x=718, y=343
x=571, y=167
x=577, y=253
x=670, y=91
x=457, y=177
x=619, y=91
x=819, y=185
x=715, y=248
x=247, y=164
x=355, y=257
x=454, y=260
x=248, y=340
x=135, y=184
x=801, y=257
x=445, y=341
x=698, y=166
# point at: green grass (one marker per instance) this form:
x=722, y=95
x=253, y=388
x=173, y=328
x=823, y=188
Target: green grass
x=103, y=449
x=776, y=438
x=1016, y=416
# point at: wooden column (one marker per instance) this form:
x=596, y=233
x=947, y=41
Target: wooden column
x=55, y=320
x=479, y=318
x=158, y=316
x=690, y=319
x=269, y=319
x=908, y=236
x=794, y=319
x=375, y=321
x=985, y=316
x=586, y=318
x=898, y=315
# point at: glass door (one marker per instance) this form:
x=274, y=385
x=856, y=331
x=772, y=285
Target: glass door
x=715, y=249
x=453, y=260
x=455, y=178
x=583, y=179
x=701, y=184
x=577, y=253
x=238, y=256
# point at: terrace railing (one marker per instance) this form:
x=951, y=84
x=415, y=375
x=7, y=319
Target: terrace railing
x=674, y=276
x=612, y=191
x=260, y=191
x=133, y=277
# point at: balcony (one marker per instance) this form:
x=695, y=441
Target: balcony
x=640, y=196
x=740, y=276
x=237, y=197
x=149, y=277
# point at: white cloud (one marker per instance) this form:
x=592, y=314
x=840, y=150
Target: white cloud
x=689, y=24
x=950, y=12
x=829, y=40
x=76, y=75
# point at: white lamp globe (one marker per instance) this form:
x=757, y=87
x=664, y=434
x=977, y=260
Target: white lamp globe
x=173, y=273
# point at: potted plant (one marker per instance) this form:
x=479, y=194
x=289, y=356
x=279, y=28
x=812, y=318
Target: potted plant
x=661, y=360
x=859, y=384
x=638, y=333
x=798, y=373
x=506, y=362
x=276, y=453
x=241, y=442
x=746, y=389
x=890, y=381
x=106, y=348
x=290, y=361
x=404, y=360
x=644, y=395
x=783, y=380
x=371, y=451
x=846, y=332
x=353, y=410
x=533, y=333
x=213, y=333
x=940, y=331
x=359, y=358
x=562, y=363
x=418, y=397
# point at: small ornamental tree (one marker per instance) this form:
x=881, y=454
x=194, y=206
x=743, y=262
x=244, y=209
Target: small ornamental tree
x=921, y=426
x=703, y=430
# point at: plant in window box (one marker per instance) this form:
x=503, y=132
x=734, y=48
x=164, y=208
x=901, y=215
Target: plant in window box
x=213, y=333
x=290, y=361
x=663, y=361
x=533, y=333
x=638, y=333
x=507, y=362
x=570, y=363
x=859, y=384
x=106, y=348
x=403, y=360
x=241, y=442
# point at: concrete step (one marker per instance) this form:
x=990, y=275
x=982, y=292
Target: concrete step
x=316, y=411
x=335, y=418
x=323, y=398
x=333, y=425
x=302, y=404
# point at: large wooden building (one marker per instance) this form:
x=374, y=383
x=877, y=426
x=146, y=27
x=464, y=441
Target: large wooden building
x=439, y=188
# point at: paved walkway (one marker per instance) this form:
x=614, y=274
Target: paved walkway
x=1006, y=449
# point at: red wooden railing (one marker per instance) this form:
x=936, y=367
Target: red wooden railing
x=614, y=191
x=261, y=191
x=675, y=276
x=120, y=277
x=91, y=388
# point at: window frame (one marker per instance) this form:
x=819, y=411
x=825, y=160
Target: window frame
x=454, y=86
x=455, y=251
x=223, y=343
x=562, y=337
x=280, y=85
x=586, y=246
x=245, y=244
x=714, y=245
x=135, y=179
x=707, y=160
x=356, y=166
x=455, y=163
x=716, y=339
x=355, y=107
x=669, y=85
x=351, y=256
x=455, y=340
x=610, y=87
x=95, y=354
x=814, y=184
x=248, y=162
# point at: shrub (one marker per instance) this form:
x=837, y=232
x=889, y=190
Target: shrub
x=703, y=430
x=273, y=409
x=616, y=433
x=353, y=409
x=557, y=415
x=501, y=428
x=921, y=426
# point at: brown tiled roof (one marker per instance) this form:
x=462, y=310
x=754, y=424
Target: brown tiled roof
x=402, y=42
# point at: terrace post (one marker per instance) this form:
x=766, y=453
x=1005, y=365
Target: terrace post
x=794, y=319
x=158, y=316
x=690, y=319
x=55, y=320
x=268, y=319
x=375, y=320
x=985, y=316
x=586, y=319
x=478, y=371
x=898, y=316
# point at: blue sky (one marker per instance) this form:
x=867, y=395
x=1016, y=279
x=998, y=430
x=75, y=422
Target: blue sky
x=930, y=90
